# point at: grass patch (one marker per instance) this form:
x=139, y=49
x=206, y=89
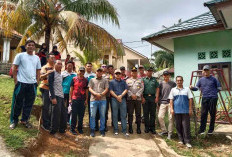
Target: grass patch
x=18, y=138
x=206, y=145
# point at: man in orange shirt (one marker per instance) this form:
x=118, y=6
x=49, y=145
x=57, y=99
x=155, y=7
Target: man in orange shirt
x=44, y=88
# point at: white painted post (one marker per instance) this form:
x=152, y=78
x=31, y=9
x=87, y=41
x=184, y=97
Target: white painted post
x=111, y=58
x=6, y=49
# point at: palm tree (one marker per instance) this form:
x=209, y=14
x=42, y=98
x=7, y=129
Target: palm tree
x=66, y=21
x=163, y=59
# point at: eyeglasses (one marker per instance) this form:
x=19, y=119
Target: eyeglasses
x=103, y=66
x=118, y=74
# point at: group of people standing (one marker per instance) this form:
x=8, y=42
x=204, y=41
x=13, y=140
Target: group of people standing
x=105, y=89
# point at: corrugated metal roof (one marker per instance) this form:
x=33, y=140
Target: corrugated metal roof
x=202, y=20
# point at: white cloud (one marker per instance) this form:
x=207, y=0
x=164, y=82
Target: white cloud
x=139, y=18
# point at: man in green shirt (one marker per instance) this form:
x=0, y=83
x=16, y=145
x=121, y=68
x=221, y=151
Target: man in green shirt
x=150, y=98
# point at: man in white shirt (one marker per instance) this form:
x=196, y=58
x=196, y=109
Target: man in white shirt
x=26, y=74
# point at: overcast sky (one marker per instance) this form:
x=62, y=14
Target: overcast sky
x=139, y=18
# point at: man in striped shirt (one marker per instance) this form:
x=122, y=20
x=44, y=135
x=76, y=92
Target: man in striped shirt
x=181, y=107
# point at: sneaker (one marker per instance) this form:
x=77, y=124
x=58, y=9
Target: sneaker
x=126, y=134
x=119, y=123
x=146, y=130
x=73, y=132
x=102, y=133
x=210, y=132
x=116, y=133
x=57, y=136
x=182, y=143
x=169, y=136
x=163, y=133
x=153, y=132
x=188, y=145
x=92, y=134
x=80, y=131
x=201, y=132
x=26, y=124
x=12, y=126
x=44, y=128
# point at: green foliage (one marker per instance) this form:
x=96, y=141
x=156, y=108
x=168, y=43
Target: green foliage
x=65, y=21
x=163, y=59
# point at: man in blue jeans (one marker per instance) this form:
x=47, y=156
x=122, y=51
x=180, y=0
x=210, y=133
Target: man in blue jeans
x=98, y=88
x=118, y=90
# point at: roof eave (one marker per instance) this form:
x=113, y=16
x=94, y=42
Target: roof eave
x=186, y=32
x=177, y=34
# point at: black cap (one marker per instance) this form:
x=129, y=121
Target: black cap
x=122, y=68
x=133, y=69
x=150, y=69
x=99, y=69
x=81, y=69
x=166, y=73
x=110, y=66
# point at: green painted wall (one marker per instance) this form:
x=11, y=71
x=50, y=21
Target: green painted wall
x=186, y=51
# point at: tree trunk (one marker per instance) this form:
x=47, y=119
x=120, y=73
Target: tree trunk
x=47, y=37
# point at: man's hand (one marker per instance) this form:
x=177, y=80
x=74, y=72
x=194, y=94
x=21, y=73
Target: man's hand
x=143, y=100
x=54, y=101
x=190, y=87
x=15, y=81
x=156, y=100
x=172, y=112
x=70, y=101
x=98, y=96
x=119, y=98
x=134, y=97
x=190, y=112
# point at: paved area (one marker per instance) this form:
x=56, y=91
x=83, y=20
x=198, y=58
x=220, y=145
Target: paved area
x=143, y=145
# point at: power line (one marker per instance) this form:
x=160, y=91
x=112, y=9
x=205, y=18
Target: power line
x=132, y=41
x=140, y=46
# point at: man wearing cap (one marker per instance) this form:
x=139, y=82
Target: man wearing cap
x=134, y=99
x=209, y=87
x=163, y=92
x=142, y=73
x=118, y=90
x=78, y=98
x=150, y=98
x=123, y=71
x=98, y=87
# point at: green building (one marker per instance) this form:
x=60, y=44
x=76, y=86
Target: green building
x=205, y=39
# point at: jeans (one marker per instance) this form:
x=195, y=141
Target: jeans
x=78, y=110
x=23, y=100
x=46, y=108
x=58, y=120
x=94, y=106
x=208, y=105
x=123, y=112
